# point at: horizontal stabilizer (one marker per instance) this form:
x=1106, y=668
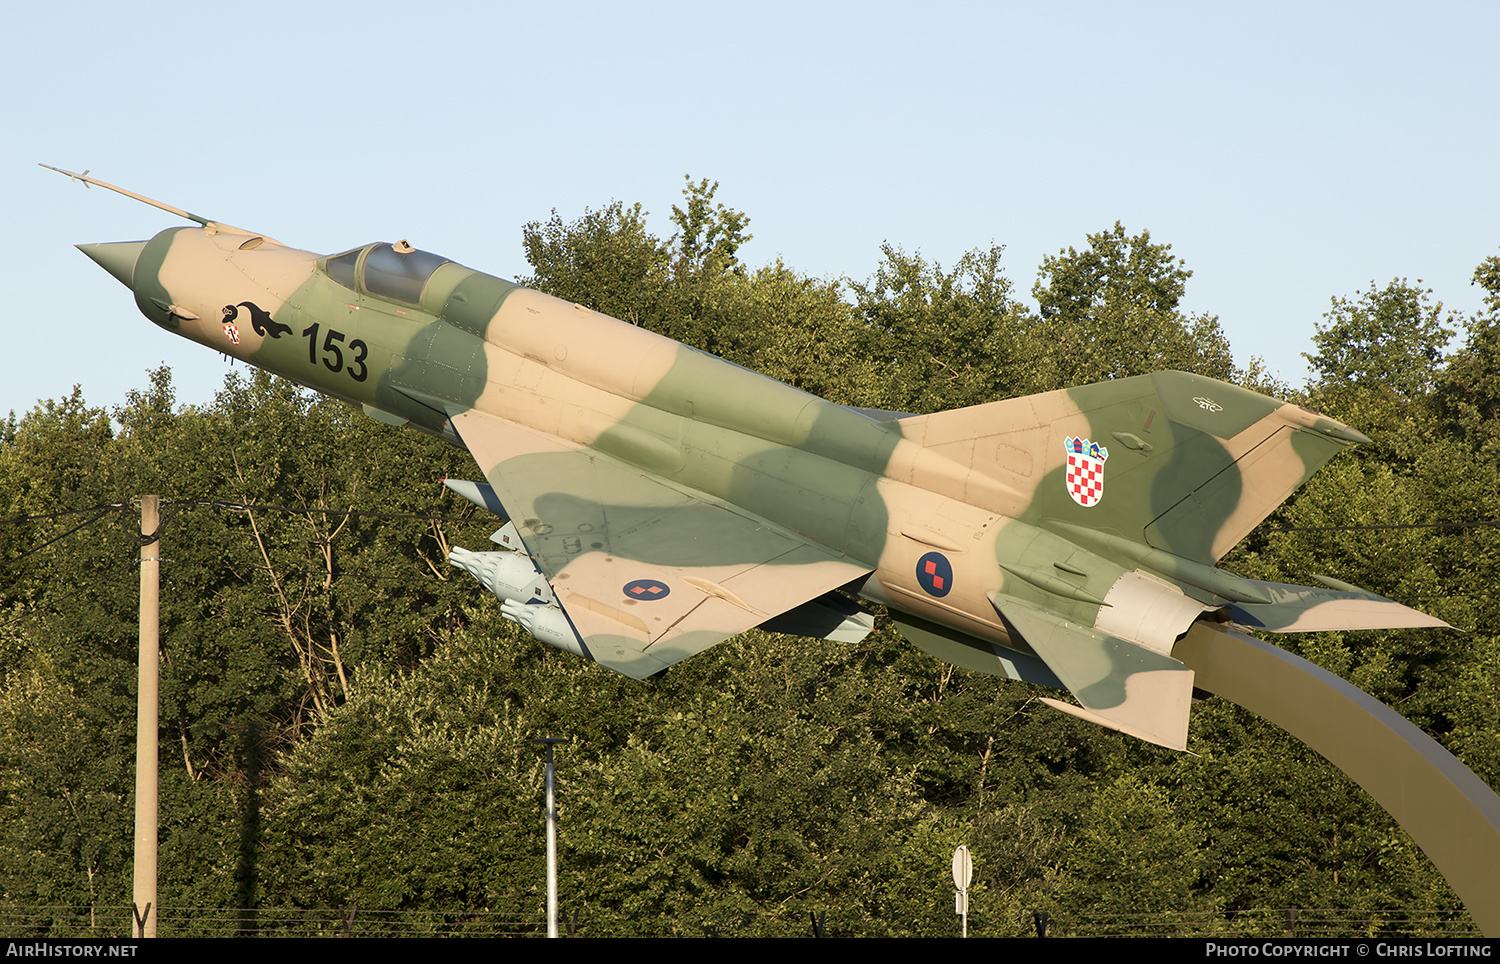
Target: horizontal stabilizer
x=1098, y=719
x=1303, y=609
x=1121, y=685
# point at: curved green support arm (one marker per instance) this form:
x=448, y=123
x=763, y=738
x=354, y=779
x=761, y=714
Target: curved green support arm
x=1451, y=814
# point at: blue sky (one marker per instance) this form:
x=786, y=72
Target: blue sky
x=1288, y=152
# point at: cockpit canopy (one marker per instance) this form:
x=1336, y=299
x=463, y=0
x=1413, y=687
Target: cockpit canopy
x=395, y=271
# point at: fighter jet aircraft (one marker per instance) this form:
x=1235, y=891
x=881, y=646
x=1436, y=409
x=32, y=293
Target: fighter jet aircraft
x=660, y=499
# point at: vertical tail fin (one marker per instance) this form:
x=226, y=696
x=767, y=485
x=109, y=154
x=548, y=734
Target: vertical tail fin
x=1176, y=461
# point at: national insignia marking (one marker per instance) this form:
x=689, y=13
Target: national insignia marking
x=1085, y=475
x=935, y=574
x=232, y=333
x=645, y=589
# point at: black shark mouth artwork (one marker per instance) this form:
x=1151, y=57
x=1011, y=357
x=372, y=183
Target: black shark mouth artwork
x=260, y=320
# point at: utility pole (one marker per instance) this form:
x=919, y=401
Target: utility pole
x=146, y=719
x=549, y=741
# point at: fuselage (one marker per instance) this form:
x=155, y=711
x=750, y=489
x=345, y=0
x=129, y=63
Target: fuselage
x=668, y=499
x=407, y=335
x=630, y=464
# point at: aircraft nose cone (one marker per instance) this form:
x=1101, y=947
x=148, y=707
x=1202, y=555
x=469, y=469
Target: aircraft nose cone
x=116, y=257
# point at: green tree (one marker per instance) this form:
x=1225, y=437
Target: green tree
x=1134, y=852
x=933, y=339
x=1389, y=337
x=693, y=288
x=1469, y=389
x=709, y=236
x=1111, y=311
x=607, y=260
x=268, y=615
x=347, y=722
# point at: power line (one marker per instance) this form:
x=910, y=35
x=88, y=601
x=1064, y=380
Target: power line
x=292, y=510
x=16, y=520
x=105, y=510
x=225, y=504
x=1478, y=524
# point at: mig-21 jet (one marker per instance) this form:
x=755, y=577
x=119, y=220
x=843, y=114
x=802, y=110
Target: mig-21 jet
x=660, y=499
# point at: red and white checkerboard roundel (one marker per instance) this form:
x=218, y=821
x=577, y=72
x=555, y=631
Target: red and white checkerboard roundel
x=1085, y=473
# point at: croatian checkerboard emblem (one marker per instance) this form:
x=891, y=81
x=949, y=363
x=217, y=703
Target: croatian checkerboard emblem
x=1085, y=475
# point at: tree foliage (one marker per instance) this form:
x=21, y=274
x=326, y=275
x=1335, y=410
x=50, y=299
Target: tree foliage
x=347, y=722
x=932, y=340
x=1111, y=311
x=1385, y=339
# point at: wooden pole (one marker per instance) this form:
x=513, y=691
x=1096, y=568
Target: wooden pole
x=146, y=737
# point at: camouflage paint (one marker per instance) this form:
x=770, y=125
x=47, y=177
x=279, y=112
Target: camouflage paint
x=628, y=459
x=670, y=499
